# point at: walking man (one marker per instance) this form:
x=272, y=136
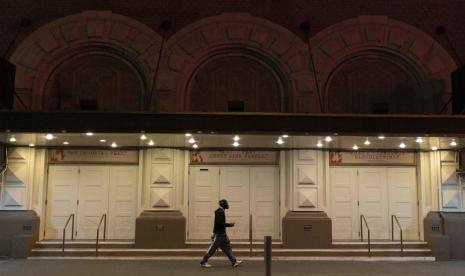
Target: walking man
x=220, y=239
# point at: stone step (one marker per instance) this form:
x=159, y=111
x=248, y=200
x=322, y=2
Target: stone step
x=83, y=244
x=380, y=244
x=83, y=252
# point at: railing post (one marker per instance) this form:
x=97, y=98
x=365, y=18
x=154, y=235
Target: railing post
x=267, y=255
x=105, y=228
x=96, y=243
x=361, y=228
x=72, y=228
x=401, y=244
x=250, y=235
x=392, y=227
x=64, y=237
x=369, y=244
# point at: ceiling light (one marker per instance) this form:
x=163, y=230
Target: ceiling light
x=453, y=143
x=355, y=147
x=188, y=135
x=143, y=137
x=31, y=145
x=151, y=143
x=434, y=148
x=381, y=137
x=419, y=140
x=191, y=140
x=65, y=143
x=102, y=140
x=236, y=138
x=402, y=145
x=280, y=141
x=89, y=133
x=328, y=139
x=367, y=142
x=114, y=145
x=195, y=146
x=49, y=136
x=319, y=144
x=12, y=139
x=236, y=144
x=284, y=135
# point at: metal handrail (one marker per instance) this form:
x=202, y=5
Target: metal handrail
x=104, y=219
x=250, y=235
x=392, y=233
x=363, y=220
x=64, y=231
x=443, y=223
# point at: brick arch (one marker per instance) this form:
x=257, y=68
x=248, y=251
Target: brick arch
x=90, y=32
x=235, y=34
x=403, y=44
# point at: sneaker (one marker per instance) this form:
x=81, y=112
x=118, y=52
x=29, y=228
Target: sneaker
x=237, y=263
x=206, y=265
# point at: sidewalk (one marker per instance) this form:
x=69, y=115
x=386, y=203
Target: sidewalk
x=222, y=267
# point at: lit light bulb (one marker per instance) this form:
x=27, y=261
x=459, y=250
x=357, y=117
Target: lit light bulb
x=31, y=145
x=355, y=147
x=114, y=145
x=65, y=143
x=236, y=144
x=284, y=135
x=280, y=141
x=188, y=135
x=402, y=145
x=367, y=142
x=151, y=143
x=236, y=138
x=381, y=137
x=12, y=139
x=49, y=136
x=419, y=140
x=328, y=139
x=143, y=137
x=191, y=140
x=453, y=143
x=102, y=140
x=434, y=148
x=195, y=146
x=89, y=133
x=319, y=144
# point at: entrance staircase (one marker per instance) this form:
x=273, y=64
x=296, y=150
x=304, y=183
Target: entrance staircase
x=350, y=250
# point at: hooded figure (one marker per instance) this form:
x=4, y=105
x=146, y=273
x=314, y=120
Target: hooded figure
x=219, y=237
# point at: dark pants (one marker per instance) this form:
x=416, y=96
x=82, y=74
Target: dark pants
x=221, y=241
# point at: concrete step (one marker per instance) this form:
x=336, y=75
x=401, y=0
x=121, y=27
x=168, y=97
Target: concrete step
x=379, y=244
x=84, y=244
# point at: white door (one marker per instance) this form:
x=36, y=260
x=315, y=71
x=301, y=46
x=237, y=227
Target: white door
x=344, y=211
x=61, y=199
x=122, y=205
x=203, y=200
x=373, y=201
x=93, y=199
x=403, y=201
x=264, y=207
x=234, y=187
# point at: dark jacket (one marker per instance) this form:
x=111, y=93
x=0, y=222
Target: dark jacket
x=220, y=222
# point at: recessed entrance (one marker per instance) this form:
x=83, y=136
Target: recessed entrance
x=377, y=193
x=250, y=190
x=89, y=192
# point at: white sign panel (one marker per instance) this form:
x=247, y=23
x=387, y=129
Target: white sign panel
x=93, y=156
x=234, y=157
x=371, y=158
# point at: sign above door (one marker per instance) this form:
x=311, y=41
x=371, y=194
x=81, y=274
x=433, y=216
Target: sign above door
x=93, y=156
x=337, y=158
x=234, y=157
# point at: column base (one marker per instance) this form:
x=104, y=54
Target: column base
x=160, y=229
x=307, y=230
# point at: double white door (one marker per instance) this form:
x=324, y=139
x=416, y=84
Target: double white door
x=89, y=192
x=249, y=191
x=377, y=193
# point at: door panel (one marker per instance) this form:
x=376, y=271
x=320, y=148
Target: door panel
x=123, y=197
x=234, y=186
x=264, y=202
x=403, y=201
x=344, y=203
x=61, y=199
x=93, y=199
x=373, y=203
x=203, y=200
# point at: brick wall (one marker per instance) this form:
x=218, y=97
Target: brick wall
x=423, y=14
